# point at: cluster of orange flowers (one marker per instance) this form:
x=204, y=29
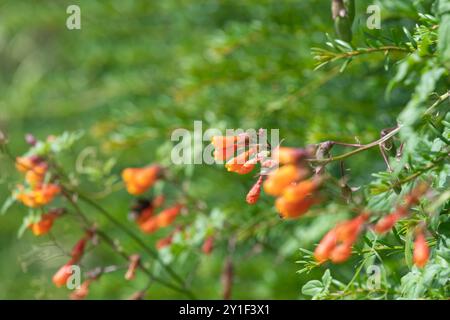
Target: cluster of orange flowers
x=421, y=249
x=138, y=181
x=149, y=221
x=39, y=192
x=296, y=192
x=337, y=244
x=387, y=222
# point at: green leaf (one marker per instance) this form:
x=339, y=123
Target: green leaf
x=8, y=203
x=312, y=288
x=326, y=279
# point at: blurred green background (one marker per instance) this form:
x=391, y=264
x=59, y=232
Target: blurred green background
x=136, y=71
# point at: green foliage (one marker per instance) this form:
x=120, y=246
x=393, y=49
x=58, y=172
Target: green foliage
x=137, y=70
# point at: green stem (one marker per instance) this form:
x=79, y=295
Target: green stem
x=441, y=99
x=353, y=53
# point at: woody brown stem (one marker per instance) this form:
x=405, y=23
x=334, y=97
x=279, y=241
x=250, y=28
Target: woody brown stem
x=356, y=151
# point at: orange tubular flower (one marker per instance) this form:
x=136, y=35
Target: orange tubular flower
x=386, y=223
x=241, y=163
x=301, y=190
x=255, y=191
x=283, y=177
x=326, y=246
x=139, y=180
x=226, y=146
x=36, y=175
x=292, y=210
x=62, y=275
x=150, y=225
x=145, y=215
x=23, y=164
x=164, y=242
x=34, y=169
x=167, y=216
x=45, y=224
x=341, y=253
x=39, y=196
x=413, y=197
x=82, y=291
x=337, y=244
x=286, y=155
x=208, y=245
x=421, y=250
x=78, y=250
x=225, y=142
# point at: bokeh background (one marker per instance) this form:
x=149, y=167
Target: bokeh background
x=139, y=69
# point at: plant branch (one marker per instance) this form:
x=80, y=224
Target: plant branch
x=358, y=150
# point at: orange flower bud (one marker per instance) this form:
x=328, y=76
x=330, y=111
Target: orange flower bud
x=62, y=275
x=82, y=291
x=386, y=223
x=167, y=216
x=348, y=231
x=224, y=154
x=139, y=180
x=44, y=224
x=413, y=197
x=286, y=155
x=255, y=191
x=36, y=175
x=147, y=176
x=421, y=250
x=300, y=190
x=337, y=243
x=281, y=178
x=39, y=196
x=246, y=168
x=78, y=250
x=341, y=253
x=164, y=242
x=145, y=215
x=326, y=245
x=135, y=260
x=150, y=225
x=23, y=164
x=239, y=163
x=291, y=210
x=208, y=245
x=225, y=142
